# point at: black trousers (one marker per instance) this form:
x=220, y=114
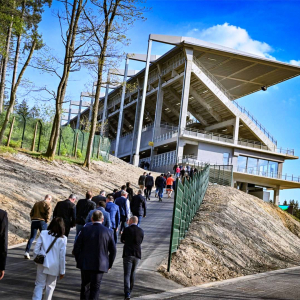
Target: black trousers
x=148, y=191
x=90, y=285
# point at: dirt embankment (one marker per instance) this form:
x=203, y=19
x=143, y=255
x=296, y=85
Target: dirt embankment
x=234, y=234
x=25, y=180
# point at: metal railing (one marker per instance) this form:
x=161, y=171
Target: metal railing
x=229, y=139
x=187, y=200
x=166, y=136
x=256, y=122
x=275, y=175
x=164, y=159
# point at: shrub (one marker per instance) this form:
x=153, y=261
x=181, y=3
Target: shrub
x=78, y=154
x=15, y=144
x=63, y=152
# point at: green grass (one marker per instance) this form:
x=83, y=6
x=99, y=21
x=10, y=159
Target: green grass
x=4, y=149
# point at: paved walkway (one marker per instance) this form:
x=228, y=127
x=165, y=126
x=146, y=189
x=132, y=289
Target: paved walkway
x=19, y=279
x=275, y=285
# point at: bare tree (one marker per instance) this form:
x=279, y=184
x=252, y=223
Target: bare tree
x=71, y=17
x=108, y=30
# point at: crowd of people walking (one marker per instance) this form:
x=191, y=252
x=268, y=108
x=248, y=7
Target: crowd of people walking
x=98, y=220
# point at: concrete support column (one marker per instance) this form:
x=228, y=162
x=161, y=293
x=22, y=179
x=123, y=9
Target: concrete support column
x=276, y=195
x=236, y=127
x=120, y=121
x=104, y=114
x=244, y=187
x=184, y=99
x=158, y=111
x=136, y=121
x=79, y=113
x=180, y=147
x=140, y=124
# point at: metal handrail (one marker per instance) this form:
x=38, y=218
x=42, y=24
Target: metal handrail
x=278, y=175
x=242, y=142
x=255, y=121
x=229, y=96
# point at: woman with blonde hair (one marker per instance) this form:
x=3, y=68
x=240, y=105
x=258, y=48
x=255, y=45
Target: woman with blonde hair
x=49, y=255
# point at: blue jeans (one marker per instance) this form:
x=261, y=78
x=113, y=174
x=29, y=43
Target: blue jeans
x=139, y=220
x=130, y=264
x=35, y=226
x=160, y=192
x=123, y=223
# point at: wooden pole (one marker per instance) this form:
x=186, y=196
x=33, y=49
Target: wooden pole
x=76, y=142
x=10, y=131
x=34, y=137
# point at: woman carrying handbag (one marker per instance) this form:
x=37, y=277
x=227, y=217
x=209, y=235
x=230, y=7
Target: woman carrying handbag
x=49, y=255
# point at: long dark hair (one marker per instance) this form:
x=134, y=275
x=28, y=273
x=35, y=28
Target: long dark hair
x=57, y=227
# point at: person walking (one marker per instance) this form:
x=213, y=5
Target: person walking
x=182, y=172
x=106, y=216
x=51, y=243
x=132, y=238
x=149, y=183
x=40, y=216
x=175, y=169
x=124, y=207
x=100, y=197
x=156, y=188
x=114, y=212
x=141, y=181
x=169, y=183
x=83, y=207
x=160, y=183
x=95, y=252
x=3, y=241
x=177, y=172
x=67, y=211
x=129, y=190
x=118, y=193
x=138, y=206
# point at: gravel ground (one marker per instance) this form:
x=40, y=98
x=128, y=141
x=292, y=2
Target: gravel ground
x=234, y=234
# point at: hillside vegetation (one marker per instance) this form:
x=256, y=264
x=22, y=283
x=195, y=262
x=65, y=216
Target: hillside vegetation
x=234, y=234
x=25, y=180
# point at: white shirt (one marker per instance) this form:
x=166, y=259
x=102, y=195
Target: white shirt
x=54, y=262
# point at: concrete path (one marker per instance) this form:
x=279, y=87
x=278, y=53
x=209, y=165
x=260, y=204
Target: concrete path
x=275, y=285
x=19, y=279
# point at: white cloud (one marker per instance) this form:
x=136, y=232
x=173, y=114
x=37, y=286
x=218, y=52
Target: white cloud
x=233, y=37
x=295, y=62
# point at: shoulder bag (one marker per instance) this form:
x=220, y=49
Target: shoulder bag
x=39, y=259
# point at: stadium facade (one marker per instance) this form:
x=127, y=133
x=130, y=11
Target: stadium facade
x=183, y=108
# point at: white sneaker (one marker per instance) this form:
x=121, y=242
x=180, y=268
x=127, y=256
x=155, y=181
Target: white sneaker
x=26, y=255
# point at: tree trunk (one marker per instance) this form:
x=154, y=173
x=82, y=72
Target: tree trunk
x=61, y=90
x=4, y=66
x=14, y=86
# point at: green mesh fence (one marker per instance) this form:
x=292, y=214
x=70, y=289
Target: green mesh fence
x=187, y=200
x=71, y=143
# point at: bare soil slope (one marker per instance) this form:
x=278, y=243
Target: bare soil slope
x=25, y=180
x=234, y=234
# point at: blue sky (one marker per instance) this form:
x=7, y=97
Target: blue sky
x=267, y=28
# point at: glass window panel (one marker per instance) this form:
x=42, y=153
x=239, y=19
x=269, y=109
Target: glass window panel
x=252, y=165
x=262, y=167
x=273, y=168
x=242, y=162
x=225, y=158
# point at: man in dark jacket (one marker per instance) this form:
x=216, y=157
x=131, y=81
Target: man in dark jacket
x=83, y=207
x=149, y=183
x=106, y=216
x=142, y=180
x=132, y=238
x=118, y=194
x=124, y=207
x=114, y=211
x=67, y=210
x=3, y=241
x=95, y=252
x=138, y=206
x=100, y=197
x=160, y=183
